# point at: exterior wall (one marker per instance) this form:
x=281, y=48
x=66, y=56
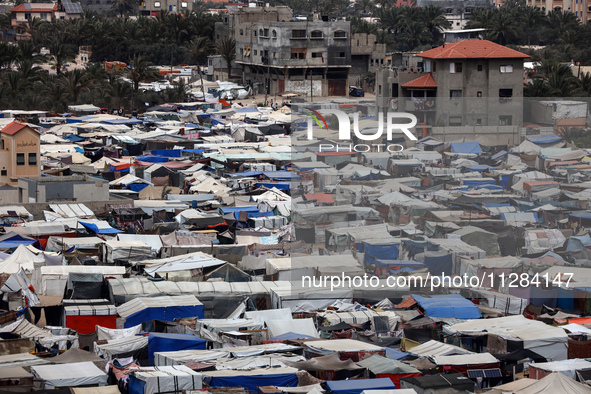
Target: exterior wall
x=457, y=12
x=60, y=190
x=98, y=6
x=579, y=7
x=27, y=142
x=153, y=7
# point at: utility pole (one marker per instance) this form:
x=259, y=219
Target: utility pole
x=311, y=86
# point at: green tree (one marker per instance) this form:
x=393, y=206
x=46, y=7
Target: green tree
x=226, y=48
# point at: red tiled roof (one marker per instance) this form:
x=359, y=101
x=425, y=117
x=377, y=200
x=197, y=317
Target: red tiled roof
x=319, y=197
x=426, y=81
x=13, y=128
x=472, y=49
x=34, y=7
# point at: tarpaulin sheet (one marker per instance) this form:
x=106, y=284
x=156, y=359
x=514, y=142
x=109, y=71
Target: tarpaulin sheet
x=466, y=147
x=541, y=139
x=87, y=324
x=136, y=187
x=152, y=159
x=357, y=386
x=416, y=246
x=167, y=152
x=380, y=252
x=448, y=306
x=439, y=263
x=253, y=382
x=479, y=182
x=166, y=313
x=163, y=342
x=270, y=185
x=95, y=228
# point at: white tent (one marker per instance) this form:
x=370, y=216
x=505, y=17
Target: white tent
x=555, y=383
x=45, y=338
x=126, y=250
x=69, y=375
x=298, y=326
x=23, y=258
x=190, y=261
x=106, y=334
x=568, y=368
x=167, y=379
x=152, y=240
x=52, y=280
x=118, y=346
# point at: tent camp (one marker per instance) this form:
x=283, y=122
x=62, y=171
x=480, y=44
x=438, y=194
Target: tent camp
x=153, y=380
x=434, y=384
x=52, y=280
x=485, y=240
x=252, y=379
x=382, y=367
x=568, y=368
x=132, y=346
x=69, y=375
x=547, y=341
x=358, y=386
x=158, y=342
x=167, y=308
x=23, y=258
x=555, y=383
x=84, y=315
x=447, y=306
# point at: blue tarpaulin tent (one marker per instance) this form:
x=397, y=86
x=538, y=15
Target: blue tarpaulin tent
x=122, y=121
x=479, y=168
x=479, y=182
x=357, y=386
x=541, y=139
x=448, y=306
x=395, y=354
x=276, y=185
x=73, y=138
x=281, y=175
x=13, y=240
x=152, y=159
x=159, y=308
x=466, y=147
x=96, y=229
x=168, y=152
x=438, y=262
x=164, y=342
x=379, y=250
x=136, y=187
x=253, y=382
x=226, y=210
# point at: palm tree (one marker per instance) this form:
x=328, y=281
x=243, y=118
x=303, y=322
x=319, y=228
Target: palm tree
x=504, y=26
x=60, y=54
x=139, y=70
x=124, y=7
x=226, y=48
x=54, y=94
x=118, y=92
x=200, y=47
x=532, y=19
x=75, y=82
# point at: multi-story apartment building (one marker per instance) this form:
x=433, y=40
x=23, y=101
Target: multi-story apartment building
x=286, y=54
x=474, y=83
x=581, y=8
x=63, y=9
x=457, y=12
x=19, y=152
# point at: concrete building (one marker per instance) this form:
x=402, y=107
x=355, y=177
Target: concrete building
x=310, y=57
x=581, y=8
x=457, y=12
x=367, y=55
x=19, y=152
x=64, y=188
x=24, y=12
x=459, y=87
x=153, y=7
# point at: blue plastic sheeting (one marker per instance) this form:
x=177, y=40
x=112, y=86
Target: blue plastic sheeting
x=15, y=241
x=565, y=299
x=165, y=313
x=73, y=138
x=497, y=156
x=254, y=214
x=246, y=110
x=153, y=159
x=479, y=182
x=541, y=139
x=479, y=168
x=281, y=175
x=276, y=185
x=136, y=386
x=578, y=243
x=539, y=296
x=290, y=335
x=357, y=386
x=439, y=265
x=94, y=228
x=381, y=251
x=164, y=342
x=167, y=152
x=448, y=306
x=504, y=181
x=490, y=187
x=136, y=187
x=581, y=215
x=122, y=121
x=253, y=382
x=395, y=354
x=466, y=147
x=417, y=246
x=245, y=174
x=113, y=169
x=226, y=210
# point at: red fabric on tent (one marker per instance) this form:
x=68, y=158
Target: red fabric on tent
x=464, y=368
x=87, y=324
x=395, y=378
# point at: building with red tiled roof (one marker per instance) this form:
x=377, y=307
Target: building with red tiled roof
x=19, y=152
x=24, y=12
x=465, y=83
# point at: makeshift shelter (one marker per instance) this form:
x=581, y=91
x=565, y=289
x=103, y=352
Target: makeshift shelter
x=568, y=368
x=167, y=308
x=555, y=383
x=132, y=346
x=485, y=240
x=69, y=375
x=464, y=362
x=125, y=250
x=252, y=379
x=84, y=315
x=52, y=280
x=44, y=338
x=23, y=258
x=346, y=348
x=439, y=384
x=154, y=380
x=382, y=367
x=159, y=342
x=358, y=386
x=447, y=306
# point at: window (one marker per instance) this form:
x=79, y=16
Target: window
x=434, y=66
x=479, y=94
x=371, y=62
x=157, y=4
x=20, y=159
x=4, y=173
x=505, y=120
x=298, y=34
x=298, y=53
x=469, y=10
x=255, y=52
x=241, y=32
x=316, y=55
x=274, y=55
x=340, y=34
x=380, y=90
x=316, y=34
x=341, y=54
x=274, y=33
x=427, y=66
x=241, y=51
x=505, y=95
x=261, y=33
x=479, y=67
x=183, y=5
x=246, y=51
x=455, y=67
x=455, y=94
x=43, y=16
x=478, y=122
x=506, y=69
x=27, y=15
x=449, y=11
x=455, y=120
x=32, y=159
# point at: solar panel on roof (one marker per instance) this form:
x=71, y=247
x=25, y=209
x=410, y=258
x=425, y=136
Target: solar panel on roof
x=485, y=373
x=72, y=8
